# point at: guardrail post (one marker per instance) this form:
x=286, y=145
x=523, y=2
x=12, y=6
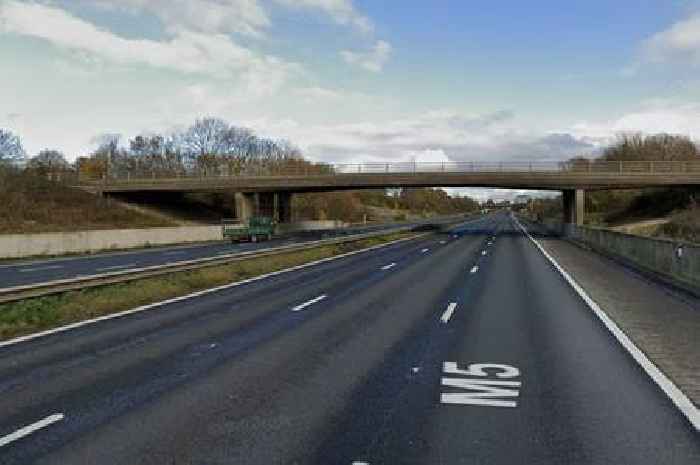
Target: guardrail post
x=651, y=167
x=620, y=166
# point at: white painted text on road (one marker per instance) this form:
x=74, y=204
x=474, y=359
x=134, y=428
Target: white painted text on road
x=477, y=386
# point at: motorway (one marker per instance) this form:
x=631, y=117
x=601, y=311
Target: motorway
x=462, y=349
x=28, y=272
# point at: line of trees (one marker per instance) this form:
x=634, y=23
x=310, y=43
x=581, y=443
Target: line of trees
x=209, y=145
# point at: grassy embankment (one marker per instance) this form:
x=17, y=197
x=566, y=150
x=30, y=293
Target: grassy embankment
x=32, y=204
x=672, y=213
x=43, y=313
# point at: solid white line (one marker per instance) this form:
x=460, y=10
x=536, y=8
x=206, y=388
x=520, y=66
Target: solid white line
x=301, y=307
x=163, y=303
x=424, y=250
x=684, y=404
x=389, y=266
x=117, y=267
x=448, y=313
x=41, y=268
x=27, y=430
x=475, y=269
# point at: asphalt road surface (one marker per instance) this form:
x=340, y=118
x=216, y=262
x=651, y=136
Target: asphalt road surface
x=27, y=272
x=443, y=350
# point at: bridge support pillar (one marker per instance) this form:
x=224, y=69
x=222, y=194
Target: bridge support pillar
x=283, y=207
x=574, y=208
x=246, y=206
x=277, y=205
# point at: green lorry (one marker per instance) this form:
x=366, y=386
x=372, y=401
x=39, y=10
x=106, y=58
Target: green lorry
x=258, y=228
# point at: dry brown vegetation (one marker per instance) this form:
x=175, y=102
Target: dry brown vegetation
x=683, y=225
x=30, y=203
x=352, y=206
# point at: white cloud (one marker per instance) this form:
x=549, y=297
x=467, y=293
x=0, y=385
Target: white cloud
x=373, y=60
x=653, y=118
x=187, y=51
x=434, y=136
x=341, y=11
x=679, y=42
x=246, y=17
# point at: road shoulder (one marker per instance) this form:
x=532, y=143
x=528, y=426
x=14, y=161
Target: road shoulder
x=663, y=324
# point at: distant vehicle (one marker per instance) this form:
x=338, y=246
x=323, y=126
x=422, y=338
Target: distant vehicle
x=258, y=228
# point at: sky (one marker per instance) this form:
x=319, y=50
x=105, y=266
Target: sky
x=355, y=81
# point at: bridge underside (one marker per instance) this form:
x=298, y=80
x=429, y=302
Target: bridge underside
x=271, y=195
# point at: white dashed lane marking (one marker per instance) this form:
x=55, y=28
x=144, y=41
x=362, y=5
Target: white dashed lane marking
x=298, y=308
x=27, y=430
x=118, y=267
x=41, y=268
x=448, y=313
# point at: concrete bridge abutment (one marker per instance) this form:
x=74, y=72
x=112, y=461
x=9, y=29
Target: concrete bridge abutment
x=277, y=205
x=574, y=208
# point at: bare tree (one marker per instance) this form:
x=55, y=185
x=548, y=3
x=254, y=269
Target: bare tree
x=634, y=147
x=206, y=136
x=11, y=150
x=48, y=161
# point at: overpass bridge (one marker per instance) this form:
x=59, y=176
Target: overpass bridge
x=268, y=188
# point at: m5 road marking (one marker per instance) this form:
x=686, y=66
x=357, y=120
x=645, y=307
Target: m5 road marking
x=478, y=387
x=27, y=430
x=301, y=307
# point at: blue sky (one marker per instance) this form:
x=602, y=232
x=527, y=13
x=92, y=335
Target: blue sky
x=355, y=80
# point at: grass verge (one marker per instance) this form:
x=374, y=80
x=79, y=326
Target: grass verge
x=33, y=315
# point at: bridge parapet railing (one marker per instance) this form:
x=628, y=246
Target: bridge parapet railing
x=572, y=167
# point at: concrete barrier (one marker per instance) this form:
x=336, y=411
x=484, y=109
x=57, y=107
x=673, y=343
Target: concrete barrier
x=30, y=245
x=677, y=261
x=288, y=228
